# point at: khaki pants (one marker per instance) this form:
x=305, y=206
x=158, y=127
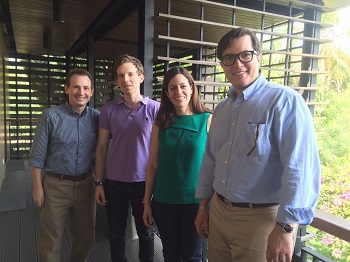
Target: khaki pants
x=63, y=198
x=239, y=234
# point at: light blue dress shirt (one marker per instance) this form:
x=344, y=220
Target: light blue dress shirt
x=261, y=148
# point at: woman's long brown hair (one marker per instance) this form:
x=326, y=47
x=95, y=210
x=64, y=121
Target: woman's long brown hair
x=166, y=112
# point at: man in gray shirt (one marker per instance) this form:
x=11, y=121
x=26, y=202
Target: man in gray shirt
x=63, y=147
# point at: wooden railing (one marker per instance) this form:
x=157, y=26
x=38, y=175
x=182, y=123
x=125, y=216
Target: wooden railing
x=326, y=222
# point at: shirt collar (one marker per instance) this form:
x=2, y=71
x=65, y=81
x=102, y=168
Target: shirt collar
x=72, y=111
x=120, y=100
x=185, y=122
x=250, y=90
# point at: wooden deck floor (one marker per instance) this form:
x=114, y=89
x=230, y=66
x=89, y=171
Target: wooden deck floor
x=19, y=229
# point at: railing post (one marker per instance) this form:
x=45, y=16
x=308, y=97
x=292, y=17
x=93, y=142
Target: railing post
x=205, y=250
x=298, y=244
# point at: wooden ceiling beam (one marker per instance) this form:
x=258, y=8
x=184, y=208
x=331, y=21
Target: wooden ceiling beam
x=113, y=14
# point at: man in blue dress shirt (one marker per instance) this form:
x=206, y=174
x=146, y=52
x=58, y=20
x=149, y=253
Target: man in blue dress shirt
x=261, y=167
x=63, y=147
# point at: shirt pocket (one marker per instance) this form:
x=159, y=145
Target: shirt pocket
x=254, y=139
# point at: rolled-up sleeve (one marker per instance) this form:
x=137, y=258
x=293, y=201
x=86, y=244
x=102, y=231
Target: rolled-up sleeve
x=299, y=155
x=40, y=143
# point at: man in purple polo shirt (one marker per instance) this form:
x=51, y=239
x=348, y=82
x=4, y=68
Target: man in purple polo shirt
x=127, y=122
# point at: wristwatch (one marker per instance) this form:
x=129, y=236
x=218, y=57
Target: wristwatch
x=286, y=227
x=100, y=183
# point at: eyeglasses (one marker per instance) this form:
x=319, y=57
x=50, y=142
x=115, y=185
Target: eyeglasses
x=244, y=57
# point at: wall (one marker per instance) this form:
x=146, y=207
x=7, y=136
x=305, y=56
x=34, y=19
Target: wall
x=3, y=102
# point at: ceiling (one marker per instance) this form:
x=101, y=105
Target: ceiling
x=29, y=27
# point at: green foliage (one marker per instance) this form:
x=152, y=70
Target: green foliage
x=338, y=51
x=332, y=123
x=333, y=141
x=334, y=144
x=330, y=246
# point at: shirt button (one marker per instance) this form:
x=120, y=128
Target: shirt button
x=225, y=161
x=223, y=181
x=230, y=143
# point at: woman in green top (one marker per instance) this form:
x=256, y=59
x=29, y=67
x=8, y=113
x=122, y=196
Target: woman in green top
x=177, y=146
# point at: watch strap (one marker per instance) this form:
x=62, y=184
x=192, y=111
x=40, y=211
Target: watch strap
x=286, y=227
x=99, y=183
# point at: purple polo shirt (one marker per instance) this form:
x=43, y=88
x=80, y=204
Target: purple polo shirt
x=130, y=138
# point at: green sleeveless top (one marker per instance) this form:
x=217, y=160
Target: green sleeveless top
x=181, y=150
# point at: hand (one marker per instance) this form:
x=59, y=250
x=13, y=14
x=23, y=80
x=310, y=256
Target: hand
x=279, y=246
x=147, y=216
x=100, y=195
x=202, y=223
x=38, y=196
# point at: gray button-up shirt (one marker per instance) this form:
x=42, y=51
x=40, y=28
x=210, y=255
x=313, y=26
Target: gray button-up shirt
x=65, y=141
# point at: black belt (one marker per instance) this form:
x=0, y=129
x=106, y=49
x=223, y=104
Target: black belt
x=245, y=205
x=69, y=178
